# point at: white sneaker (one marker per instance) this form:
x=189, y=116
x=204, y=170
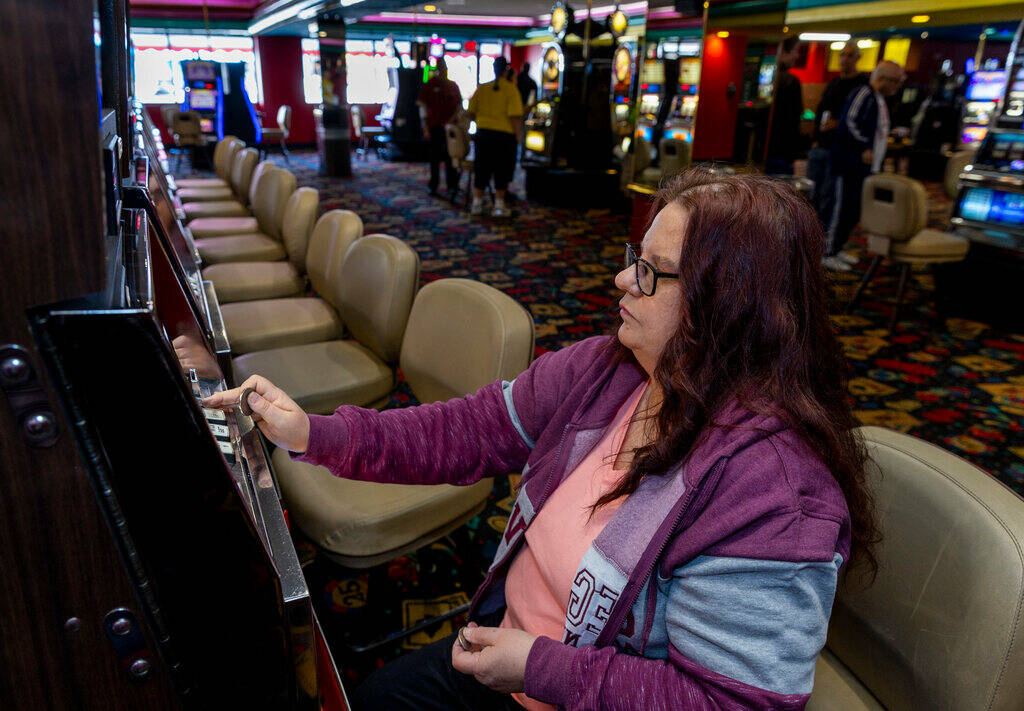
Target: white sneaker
x=848, y=258
x=477, y=207
x=499, y=210
x=835, y=264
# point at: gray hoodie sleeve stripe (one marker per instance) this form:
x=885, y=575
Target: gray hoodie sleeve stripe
x=760, y=622
x=506, y=390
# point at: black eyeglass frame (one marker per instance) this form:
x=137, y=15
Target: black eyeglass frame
x=632, y=260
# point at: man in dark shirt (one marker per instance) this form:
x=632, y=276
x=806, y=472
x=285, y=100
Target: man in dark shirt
x=784, y=135
x=527, y=86
x=826, y=119
x=439, y=100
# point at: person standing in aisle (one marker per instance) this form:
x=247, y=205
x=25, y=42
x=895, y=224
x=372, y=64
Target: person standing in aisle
x=498, y=112
x=826, y=121
x=784, y=131
x=858, y=150
x=439, y=101
x=527, y=86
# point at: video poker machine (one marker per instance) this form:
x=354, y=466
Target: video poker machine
x=216, y=91
x=984, y=90
x=989, y=211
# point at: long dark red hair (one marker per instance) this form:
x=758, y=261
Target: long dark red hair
x=754, y=327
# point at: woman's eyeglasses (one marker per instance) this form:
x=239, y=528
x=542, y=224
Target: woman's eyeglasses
x=646, y=275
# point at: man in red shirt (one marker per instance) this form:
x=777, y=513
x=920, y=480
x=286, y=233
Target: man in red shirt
x=439, y=100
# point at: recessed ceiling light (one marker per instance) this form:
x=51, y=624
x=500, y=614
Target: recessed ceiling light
x=918, y=19
x=723, y=34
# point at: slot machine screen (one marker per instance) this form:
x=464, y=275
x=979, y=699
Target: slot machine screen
x=200, y=71
x=986, y=86
x=1003, y=152
x=203, y=99
x=992, y=206
x=206, y=125
x=973, y=134
x=653, y=72
x=689, y=71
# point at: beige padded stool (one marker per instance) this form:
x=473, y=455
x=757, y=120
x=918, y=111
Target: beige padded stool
x=373, y=291
x=296, y=221
x=955, y=165
x=223, y=158
x=242, y=168
x=336, y=230
x=461, y=336
x=272, y=189
x=942, y=626
x=384, y=272
x=894, y=212
x=244, y=175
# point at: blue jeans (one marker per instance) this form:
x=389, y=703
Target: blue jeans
x=819, y=169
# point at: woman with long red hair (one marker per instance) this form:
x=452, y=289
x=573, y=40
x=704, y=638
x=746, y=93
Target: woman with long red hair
x=691, y=487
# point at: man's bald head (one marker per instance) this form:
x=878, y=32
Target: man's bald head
x=848, y=58
x=887, y=77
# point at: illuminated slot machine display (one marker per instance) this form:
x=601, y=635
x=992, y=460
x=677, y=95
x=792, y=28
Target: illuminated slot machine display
x=984, y=89
x=203, y=95
x=652, y=86
x=683, y=112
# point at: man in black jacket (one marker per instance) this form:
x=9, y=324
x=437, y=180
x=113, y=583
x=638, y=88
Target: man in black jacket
x=826, y=121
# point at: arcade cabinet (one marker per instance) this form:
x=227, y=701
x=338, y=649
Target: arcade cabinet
x=567, y=151
x=989, y=211
x=216, y=91
x=400, y=115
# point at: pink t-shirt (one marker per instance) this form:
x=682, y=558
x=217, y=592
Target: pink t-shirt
x=540, y=577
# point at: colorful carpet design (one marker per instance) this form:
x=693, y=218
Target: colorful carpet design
x=958, y=384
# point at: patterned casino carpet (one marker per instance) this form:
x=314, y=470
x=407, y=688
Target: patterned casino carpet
x=959, y=384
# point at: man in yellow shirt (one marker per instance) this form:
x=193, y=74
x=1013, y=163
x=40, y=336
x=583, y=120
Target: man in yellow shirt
x=498, y=111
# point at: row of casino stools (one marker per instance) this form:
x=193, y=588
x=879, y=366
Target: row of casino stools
x=329, y=315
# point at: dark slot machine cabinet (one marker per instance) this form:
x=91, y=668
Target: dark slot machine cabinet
x=187, y=492
x=989, y=211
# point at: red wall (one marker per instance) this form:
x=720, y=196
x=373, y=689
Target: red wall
x=815, y=69
x=280, y=62
x=716, y=112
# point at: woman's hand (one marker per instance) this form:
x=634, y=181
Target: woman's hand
x=282, y=421
x=497, y=658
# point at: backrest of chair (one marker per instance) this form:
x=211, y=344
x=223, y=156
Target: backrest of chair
x=284, y=119
x=942, y=625
x=462, y=335
x=185, y=125
x=954, y=167
x=242, y=172
x=223, y=164
x=332, y=235
x=458, y=141
x=357, y=120
x=375, y=289
x=641, y=154
x=270, y=196
x=893, y=206
x=675, y=156
x=299, y=216
x=260, y=168
x=167, y=112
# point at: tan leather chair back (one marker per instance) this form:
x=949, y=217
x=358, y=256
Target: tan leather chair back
x=284, y=119
x=893, y=206
x=185, y=126
x=954, y=167
x=270, y=195
x=375, y=287
x=457, y=139
x=675, y=156
x=463, y=334
x=942, y=626
x=242, y=170
x=299, y=216
x=224, y=163
x=333, y=234
x=260, y=168
x=167, y=113
x=641, y=154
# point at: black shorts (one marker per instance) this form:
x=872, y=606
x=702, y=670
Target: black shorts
x=495, y=157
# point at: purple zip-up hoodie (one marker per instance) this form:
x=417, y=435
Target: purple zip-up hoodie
x=710, y=587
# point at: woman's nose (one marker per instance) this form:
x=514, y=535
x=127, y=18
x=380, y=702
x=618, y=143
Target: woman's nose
x=624, y=280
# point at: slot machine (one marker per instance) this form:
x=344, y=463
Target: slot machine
x=984, y=89
x=989, y=211
x=623, y=75
x=541, y=123
x=216, y=91
x=683, y=111
x=652, y=88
